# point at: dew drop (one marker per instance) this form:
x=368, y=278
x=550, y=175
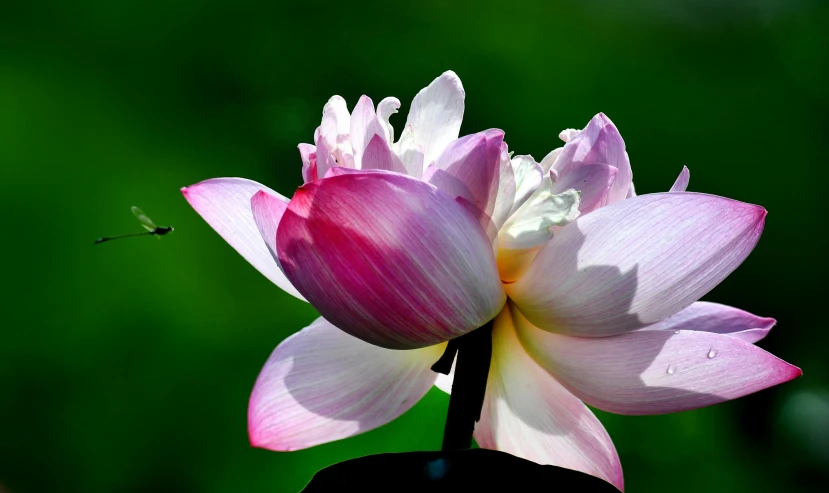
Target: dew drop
x=671, y=370
x=712, y=353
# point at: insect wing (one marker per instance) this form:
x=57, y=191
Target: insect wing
x=148, y=223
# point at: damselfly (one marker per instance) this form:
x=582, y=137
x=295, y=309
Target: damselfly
x=148, y=224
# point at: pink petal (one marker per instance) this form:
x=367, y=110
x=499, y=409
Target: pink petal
x=225, y=204
x=448, y=184
x=598, y=143
x=325, y=160
x=593, y=181
x=308, y=153
x=480, y=162
x=378, y=155
x=655, y=371
x=454, y=187
x=436, y=114
x=681, y=183
x=636, y=262
x=527, y=413
x=720, y=319
x=267, y=211
x=321, y=385
x=389, y=259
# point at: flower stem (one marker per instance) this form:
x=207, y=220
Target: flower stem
x=474, y=352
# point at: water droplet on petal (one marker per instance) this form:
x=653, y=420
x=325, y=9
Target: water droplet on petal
x=671, y=370
x=712, y=353
x=677, y=331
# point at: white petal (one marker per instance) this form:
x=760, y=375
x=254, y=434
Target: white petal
x=654, y=371
x=530, y=225
x=322, y=384
x=436, y=114
x=385, y=109
x=528, y=178
x=636, y=262
x=527, y=413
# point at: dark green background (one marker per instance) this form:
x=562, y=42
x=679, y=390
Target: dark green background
x=127, y=366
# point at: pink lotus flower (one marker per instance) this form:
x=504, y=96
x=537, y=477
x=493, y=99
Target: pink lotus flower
x=404, y=245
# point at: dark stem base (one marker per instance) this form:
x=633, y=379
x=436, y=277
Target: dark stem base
x=474, y=353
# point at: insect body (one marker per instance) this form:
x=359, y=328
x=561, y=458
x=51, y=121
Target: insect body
x=148, y=224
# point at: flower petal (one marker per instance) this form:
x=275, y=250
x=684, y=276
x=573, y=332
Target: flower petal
x=528, y=178
x=389, y=259
x=324, y=159
x=436, y=114
x=364, y=126
x=527, y=413
x=410, y=153
x=480, y=162
x=548, y=163
x=593, y=181
x=267, y=211
x=225, y=204
x=681, y=183
x=336, y=121
x=378, y=155
x=719, y=319
x=385, y=109
x=308, y=153
x=529, y=227
x=655, y=371
x=636, y=262
x=598, y=143
x=321, y=385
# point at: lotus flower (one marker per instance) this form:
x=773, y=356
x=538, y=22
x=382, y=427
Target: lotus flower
x=404, y=245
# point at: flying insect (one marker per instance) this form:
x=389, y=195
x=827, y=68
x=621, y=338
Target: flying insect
x=148, y=224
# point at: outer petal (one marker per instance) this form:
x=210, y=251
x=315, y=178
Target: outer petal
x=636, y=262
x=267, y=211
x=681, y=183
x=321, y=385
x=720, y=319
x=225, y=204
x=389, y=259
x=436, y=114
x=655, y=371
x=528, y=414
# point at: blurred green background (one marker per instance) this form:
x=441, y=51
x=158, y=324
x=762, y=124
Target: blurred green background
x=127, y=366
